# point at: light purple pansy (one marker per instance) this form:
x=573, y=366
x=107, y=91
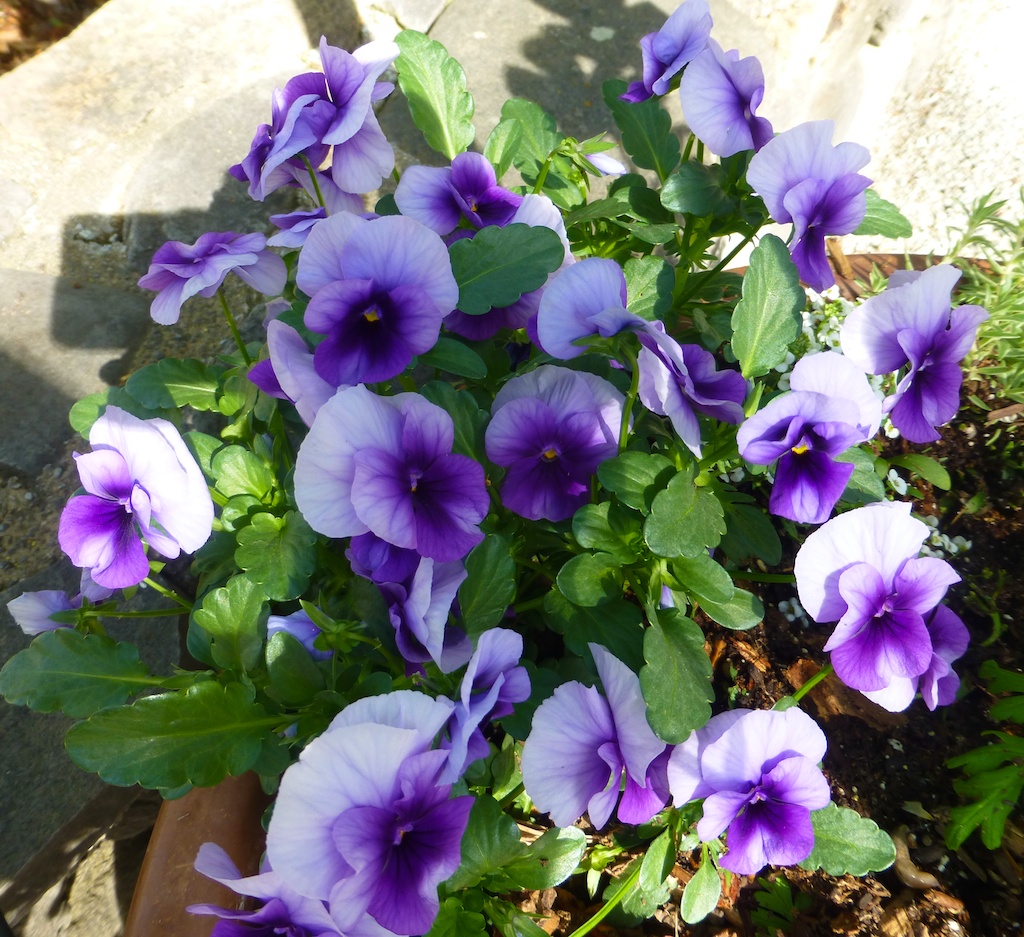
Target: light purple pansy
x=141, y=482
x=757, y=772
x=301, y=627
x=684, y=35
x=720, y=94
x=806, y=181
x=862, y=570
x=830, y=408
x=282, y=910
x=380, y=289
x=31, y=611
x=316, y=111
x=361, y=820
x=551, y=428
x=290, y=374
x=493, y=682
x=582, y=743
x=419, y=608
x=443, y=197
x=586, y=299
x=179, y=271
x=295, y=226
x=385, y=464
x=680, y=381
x=912, y=324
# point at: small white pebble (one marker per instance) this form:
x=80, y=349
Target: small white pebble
x=602, y=33
x=896, y=744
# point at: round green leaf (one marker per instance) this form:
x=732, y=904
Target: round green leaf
x=845, y=843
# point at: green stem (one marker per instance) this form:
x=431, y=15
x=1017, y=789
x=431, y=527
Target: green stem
x=529, y=604
x=697, y=282
x=761, y=577
x=315, y=181
x=812, y=683
x=627, y=409
x=234, y=329
x=609, y=906
x=511, y=795
x=542, y=177
x=168, y=593
x=143, y=613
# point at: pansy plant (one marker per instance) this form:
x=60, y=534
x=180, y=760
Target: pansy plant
x=502, y=455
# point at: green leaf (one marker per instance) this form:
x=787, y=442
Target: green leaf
x=173, y=382
x=693, y=189
x=617, y=625
x=609, y=528
x=295, y=678
x=489, y=586
x=883, y=219
x=235, y=618
x=240, y=472
x=278, y=554
x=195, y=737
x=646, y=130
x=636, y=477
x=924, y=467
x=203, y=449
x=87, y=411
x=490, y=842
x=468, y=418
x=701, y=894
x=551, y=859
x=767, y=317
x=994, y=795
x=676, y=682
x=74, y=673
x=434, y=84
x=684, y=520
x=499, y=264
x=845, y=843
x=590, y=579
x=455, y=357
x=744, y=610
x=864, y=486
x=703, y=577
x=649, y=284
x=539, y=134
x=453, y=920
x=750, y=534
x=502, y=145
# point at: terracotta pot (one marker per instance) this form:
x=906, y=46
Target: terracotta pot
x=228, y=815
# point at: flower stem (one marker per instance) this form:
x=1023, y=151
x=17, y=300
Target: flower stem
x=697, y=282
x=620, y=895
x=761, y=577
x=143, y=613
x=812, y=683
x=168, y=593
x=315, y=181
x=234, y=328
x=627, y=407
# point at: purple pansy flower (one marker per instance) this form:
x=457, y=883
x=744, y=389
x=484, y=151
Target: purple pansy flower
x=684, y=36
x=606, y=165
x=913, y=324
x=468, y=190
x=551, y=428
x=583, y=300
x=180, y=271
x=862, y=570
x=301, y=627
x=384, y=464
x=31, y=611
x=757, y=772
x=282, y=910
x=830, y=408
x=806, y=180
x=720, y=93
x=536, y=211
x=316, y=111
x=141, y=482
x=290, y=374
x=379, y=289
x=581, y=743
x=680, y=381
x=361, y=820
x=493, y=682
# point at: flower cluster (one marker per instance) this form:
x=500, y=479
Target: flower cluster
x=502, y=452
